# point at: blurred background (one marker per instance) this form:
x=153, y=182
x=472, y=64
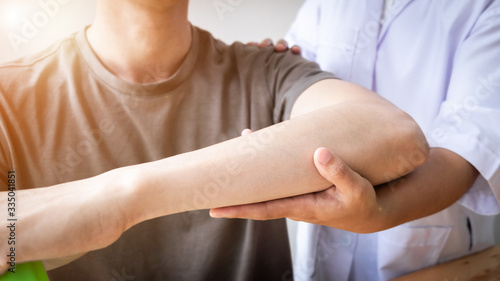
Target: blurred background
x=28, y=26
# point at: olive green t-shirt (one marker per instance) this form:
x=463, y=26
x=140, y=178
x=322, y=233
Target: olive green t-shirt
x=65, y=117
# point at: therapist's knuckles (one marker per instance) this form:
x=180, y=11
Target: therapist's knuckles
x=352, y=211
x=281, y=46
x=293, y=208
x=306, y=209
x=270, y=211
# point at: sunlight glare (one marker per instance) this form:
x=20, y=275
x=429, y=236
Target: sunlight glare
x=11, y=15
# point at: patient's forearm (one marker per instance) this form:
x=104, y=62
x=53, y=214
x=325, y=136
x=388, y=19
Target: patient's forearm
x=276, y=162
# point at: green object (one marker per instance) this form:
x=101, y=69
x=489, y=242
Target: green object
x=32, y=271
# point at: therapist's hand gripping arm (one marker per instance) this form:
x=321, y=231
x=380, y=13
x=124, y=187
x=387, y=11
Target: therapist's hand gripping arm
x=353, y=204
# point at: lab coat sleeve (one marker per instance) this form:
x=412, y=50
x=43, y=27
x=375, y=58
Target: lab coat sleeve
x=469, y=119
x=304, y=30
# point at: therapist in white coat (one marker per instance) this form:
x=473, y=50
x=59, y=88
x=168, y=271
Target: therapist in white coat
x=438, y=60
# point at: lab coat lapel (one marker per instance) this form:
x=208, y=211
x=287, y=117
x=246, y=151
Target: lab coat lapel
x=368, y=19
x=348, y=37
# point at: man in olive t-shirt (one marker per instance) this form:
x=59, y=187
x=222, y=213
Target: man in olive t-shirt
x=77, y=120
x=91, y=104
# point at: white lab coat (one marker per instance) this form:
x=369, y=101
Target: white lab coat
x=438, y=60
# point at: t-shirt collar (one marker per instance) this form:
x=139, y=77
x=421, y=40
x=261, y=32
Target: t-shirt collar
x=137, y=89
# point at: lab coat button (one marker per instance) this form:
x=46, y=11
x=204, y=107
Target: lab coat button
x=346, y=240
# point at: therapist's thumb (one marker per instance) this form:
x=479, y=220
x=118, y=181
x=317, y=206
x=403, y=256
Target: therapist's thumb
x=334, y=170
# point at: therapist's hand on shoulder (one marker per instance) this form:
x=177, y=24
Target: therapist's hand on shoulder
x=281, y=46
x=350, y=203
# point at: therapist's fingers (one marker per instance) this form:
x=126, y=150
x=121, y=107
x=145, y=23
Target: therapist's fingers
x=296, y=49
x=281, y=46
x=353, y=192
x=293, y=207
x=333, y=169
x=266, y=43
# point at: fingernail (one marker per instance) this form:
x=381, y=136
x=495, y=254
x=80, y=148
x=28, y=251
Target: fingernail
x=213, y=214
x=246, y=132
x=324, y=157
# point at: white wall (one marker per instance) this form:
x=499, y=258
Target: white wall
x=245, y=20
x=26, y=26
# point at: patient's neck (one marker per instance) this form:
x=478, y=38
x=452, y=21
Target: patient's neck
x=132, y=39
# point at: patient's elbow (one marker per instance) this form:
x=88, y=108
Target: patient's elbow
x=413, y=145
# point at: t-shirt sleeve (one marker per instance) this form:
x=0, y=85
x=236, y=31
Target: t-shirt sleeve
x=288, y=76
x=469, y=119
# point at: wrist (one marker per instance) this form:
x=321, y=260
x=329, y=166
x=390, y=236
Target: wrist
x=121, y=190
x=381, y=218
x=142, y=192
x=386, y=215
